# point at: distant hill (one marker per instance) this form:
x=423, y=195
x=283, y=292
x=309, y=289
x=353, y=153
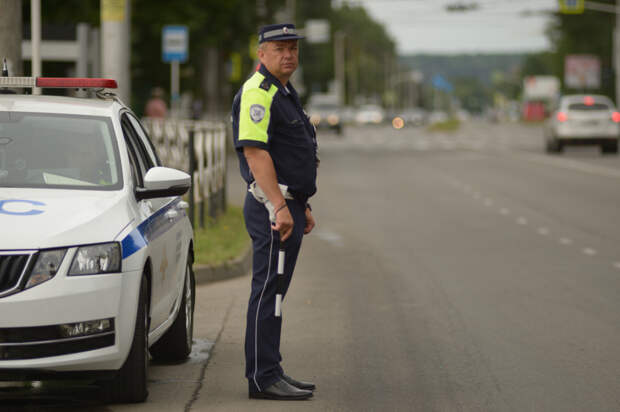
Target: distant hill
x=480, y=66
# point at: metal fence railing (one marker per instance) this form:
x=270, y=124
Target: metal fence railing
x=198, y=148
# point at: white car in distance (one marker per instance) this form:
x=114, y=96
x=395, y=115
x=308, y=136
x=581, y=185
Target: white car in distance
x=583, y=120
x=96, y=247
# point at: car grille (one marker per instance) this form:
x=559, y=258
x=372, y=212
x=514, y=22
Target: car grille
x=45, y=341
x=12, y=269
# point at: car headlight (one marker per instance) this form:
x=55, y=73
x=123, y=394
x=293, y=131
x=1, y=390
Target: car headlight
x=46, y=266
x=95, y=259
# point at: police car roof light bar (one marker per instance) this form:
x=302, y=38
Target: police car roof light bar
x=58, y=82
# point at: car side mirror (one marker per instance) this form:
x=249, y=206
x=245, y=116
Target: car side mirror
x=163, y=182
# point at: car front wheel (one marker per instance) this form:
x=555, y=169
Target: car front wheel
x=176, y=343
x=129, y=384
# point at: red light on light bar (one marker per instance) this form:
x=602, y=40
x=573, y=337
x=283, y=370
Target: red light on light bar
x=615, y=116
x=562, y=117
x=76, y=82
x=588, y=100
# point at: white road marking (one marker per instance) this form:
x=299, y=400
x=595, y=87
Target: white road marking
x=566, y=241
x=543, y=231
x=488, y=202
x=504, y=211
x=617, y=265
x=589, y=251
x=477, y=196
x=522, y=221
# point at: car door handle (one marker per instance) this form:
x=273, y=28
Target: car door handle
x=183, y=205
x=172, y=214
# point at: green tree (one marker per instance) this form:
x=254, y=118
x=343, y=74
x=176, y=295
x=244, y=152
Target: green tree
x=227, y=25
x=369, y=52
x=587, y=33
x=538, y=64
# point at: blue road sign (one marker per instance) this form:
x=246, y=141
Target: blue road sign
x=440, y=83
x=174, y=43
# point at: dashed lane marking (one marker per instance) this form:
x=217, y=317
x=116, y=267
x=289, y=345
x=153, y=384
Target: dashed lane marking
x=566, y=241
x=617, y=265
x=589, y=251
x=522, y=221
x=488, y=202
x=504, y=211
x=543, y=231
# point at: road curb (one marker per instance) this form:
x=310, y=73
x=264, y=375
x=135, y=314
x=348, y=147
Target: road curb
x=238, y=266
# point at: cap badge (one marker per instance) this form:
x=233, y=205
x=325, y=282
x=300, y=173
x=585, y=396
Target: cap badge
x=285, y=30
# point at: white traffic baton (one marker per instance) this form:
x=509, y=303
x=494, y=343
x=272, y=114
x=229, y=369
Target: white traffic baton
x=281, y=283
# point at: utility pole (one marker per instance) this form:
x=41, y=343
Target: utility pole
x=291, y=7
x=616, y=53
x=115, y=39
x=35, y=40
x=339, y=63
x=11, y=35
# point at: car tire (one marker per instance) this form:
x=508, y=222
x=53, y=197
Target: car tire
x=176, y=344
x=610, y=147
x=129, y=384
x=554, y=146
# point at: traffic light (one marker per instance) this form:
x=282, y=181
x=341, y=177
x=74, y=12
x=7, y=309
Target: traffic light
x=571, y=6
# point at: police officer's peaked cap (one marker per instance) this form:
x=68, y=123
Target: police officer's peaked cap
x=272, y=32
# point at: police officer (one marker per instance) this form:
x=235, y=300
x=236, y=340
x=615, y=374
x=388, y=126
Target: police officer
x=276, y=145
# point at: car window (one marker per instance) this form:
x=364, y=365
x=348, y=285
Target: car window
x=136, y=149
x=135, y=168
x=58, y=151
x=146, y=142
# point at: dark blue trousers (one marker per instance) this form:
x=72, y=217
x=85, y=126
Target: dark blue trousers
x=262, y=336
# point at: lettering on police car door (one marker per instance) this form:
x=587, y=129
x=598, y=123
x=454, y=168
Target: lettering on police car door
x=15, y=207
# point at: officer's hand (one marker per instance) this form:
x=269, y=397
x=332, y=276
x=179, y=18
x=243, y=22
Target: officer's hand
x=310, y=222
x=284, y=223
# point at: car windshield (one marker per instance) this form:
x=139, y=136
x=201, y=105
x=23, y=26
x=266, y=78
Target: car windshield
x=58, y=151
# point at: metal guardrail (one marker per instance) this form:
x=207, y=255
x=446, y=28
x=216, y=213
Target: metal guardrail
x=198, y=148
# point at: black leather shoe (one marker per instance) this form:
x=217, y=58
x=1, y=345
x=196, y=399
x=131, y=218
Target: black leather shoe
x=299, y=384
x=282, y=390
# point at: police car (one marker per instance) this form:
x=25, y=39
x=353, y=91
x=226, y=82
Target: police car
x=96, y=247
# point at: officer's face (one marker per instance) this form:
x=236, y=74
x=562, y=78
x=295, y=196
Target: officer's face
x=280, y=57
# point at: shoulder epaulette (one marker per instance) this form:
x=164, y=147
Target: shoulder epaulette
x=265, y=85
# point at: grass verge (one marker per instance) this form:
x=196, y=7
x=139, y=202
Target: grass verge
x=221, y=240
x=446, y=126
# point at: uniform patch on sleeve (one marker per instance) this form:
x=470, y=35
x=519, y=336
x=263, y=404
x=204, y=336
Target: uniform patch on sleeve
x=257, y=112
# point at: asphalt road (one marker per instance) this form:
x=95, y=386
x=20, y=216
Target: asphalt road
x=448, y=272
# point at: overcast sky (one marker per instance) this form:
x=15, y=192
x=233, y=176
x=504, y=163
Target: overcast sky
x=420, y=26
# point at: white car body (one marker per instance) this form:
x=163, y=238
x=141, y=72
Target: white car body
x=369, y=114
x=583, y=120
x=155, y=238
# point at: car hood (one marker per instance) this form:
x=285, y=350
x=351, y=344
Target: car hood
x=47, y=218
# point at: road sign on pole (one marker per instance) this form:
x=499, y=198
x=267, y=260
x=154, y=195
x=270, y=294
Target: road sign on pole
x=572, y=6
x=174, y=50
x=175, y=41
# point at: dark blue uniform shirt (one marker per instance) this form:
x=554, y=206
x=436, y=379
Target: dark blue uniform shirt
x=267, y=115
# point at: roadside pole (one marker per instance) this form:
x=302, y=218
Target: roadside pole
x=616, y=54
x=339, y=63
x=11, y=35
x=175, y=46
x=35, y=39
x=115, y=39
